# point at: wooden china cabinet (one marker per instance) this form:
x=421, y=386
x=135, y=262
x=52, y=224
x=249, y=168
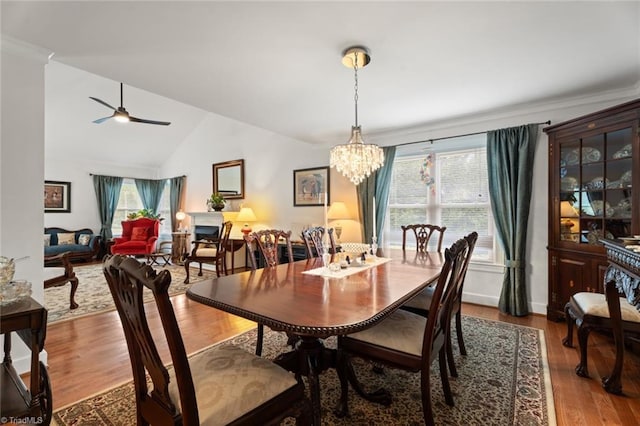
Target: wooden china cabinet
x=594, y=193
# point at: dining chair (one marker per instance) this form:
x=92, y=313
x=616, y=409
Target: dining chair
x=407, y=341
x=218, y=385
x=423, y=234
x=423, y=299
x=314, y=241
x=268, y=243
x=590, y=311
x=210, y=251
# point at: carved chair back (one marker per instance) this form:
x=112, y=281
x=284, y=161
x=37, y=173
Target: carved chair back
x=423, y=233
x=314, y=241
x=126, y=278
x=267, y=241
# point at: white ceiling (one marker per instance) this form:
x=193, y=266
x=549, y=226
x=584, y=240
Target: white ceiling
x=276, y=65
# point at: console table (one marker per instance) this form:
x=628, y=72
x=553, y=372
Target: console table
x=28, y=319
x=622, y=277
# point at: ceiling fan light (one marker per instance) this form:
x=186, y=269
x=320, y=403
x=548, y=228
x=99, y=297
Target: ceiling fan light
x=121, y=117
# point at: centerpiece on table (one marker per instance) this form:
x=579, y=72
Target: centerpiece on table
x=215, y=202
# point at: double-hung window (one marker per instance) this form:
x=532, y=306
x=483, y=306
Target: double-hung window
x=445, y=184
x=130, y=202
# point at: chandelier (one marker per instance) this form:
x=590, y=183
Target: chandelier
x=356, y=160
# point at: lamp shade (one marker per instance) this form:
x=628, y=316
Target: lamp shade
x=567, y=209
x=337, y=211
x=181, y=215
x=246, y=215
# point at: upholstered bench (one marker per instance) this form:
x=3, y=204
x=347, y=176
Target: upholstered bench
x=56, y=276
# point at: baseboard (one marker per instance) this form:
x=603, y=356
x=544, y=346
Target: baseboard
x=484, y=300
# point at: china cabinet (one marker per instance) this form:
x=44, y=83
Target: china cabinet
x=594, y=193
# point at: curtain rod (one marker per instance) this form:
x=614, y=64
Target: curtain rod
x=125, y=177
x=457, y=136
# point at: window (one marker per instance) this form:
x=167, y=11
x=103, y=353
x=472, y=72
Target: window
x=130, y=202
x=444, y=184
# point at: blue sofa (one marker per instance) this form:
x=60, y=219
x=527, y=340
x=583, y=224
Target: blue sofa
x=84, y=248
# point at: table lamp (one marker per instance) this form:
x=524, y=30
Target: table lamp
x=180, y=215
x=246, y=215
x=338, y=211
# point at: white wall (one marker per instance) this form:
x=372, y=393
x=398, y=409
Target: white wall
x=484, y=282
x=269, y=161
x=271, y=158
x=22, y=169
x=84, y=206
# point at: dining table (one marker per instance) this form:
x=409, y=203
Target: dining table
x=313, y=302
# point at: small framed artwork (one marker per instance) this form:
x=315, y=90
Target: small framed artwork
x=310, y=186
x=57, y=197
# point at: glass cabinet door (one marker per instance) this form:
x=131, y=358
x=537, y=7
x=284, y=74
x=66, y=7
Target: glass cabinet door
x=595, y=187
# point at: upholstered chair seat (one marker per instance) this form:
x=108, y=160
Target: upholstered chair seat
x=207, y=252
x=590, y=311
x=421, y=300
x=402, y=331
x=230, y=382
x=595, y=304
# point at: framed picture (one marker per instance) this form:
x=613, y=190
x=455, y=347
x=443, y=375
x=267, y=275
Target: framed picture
x=310, y=186
x=57, y=197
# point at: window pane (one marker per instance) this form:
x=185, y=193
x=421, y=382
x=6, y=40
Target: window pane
x=445, y=188
x=129, y=202
x=164, y=210
x=463, y=177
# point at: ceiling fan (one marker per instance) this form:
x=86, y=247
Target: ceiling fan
x=120, y=114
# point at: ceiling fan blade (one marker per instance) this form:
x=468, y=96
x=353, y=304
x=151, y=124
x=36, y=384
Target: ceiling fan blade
x=140, y=120
x=100, y=101
x=103, y=119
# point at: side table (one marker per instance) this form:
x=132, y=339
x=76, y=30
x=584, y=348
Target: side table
x=179, y=247
x=28, y=319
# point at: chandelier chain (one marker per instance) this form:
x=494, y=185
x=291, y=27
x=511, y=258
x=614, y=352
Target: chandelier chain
x=355, y=96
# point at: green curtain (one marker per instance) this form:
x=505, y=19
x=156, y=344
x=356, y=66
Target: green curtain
x=376, y=185
x=108, y=193
x=150, y=191
x=510, y=155
x=176, y=186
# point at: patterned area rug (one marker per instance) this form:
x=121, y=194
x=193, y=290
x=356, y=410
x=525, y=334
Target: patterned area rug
x=93, y=295
x=504, y=380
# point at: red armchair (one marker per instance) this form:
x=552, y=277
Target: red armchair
x=139, y=236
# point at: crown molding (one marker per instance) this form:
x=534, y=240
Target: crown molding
x=25, y=50
x=535, y=111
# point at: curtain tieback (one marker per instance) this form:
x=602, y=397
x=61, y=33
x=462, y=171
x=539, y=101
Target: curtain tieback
x=514, y=264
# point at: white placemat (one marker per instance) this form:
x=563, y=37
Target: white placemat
x=350, y=270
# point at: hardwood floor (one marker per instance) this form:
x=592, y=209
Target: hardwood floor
x=89, y=355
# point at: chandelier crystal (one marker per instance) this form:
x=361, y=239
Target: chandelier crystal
x=356, y=160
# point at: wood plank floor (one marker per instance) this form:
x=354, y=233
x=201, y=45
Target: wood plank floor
x=89, y=355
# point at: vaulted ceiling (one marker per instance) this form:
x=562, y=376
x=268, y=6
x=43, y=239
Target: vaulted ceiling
x=277, y=65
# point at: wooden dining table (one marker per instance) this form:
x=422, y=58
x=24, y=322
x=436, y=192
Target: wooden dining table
x=290, y=298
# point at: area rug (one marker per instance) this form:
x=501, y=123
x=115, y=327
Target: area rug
x=93, y=295
x=504, y=380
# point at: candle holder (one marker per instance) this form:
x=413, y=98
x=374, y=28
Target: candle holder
x=374, y=246
x=326, y=259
